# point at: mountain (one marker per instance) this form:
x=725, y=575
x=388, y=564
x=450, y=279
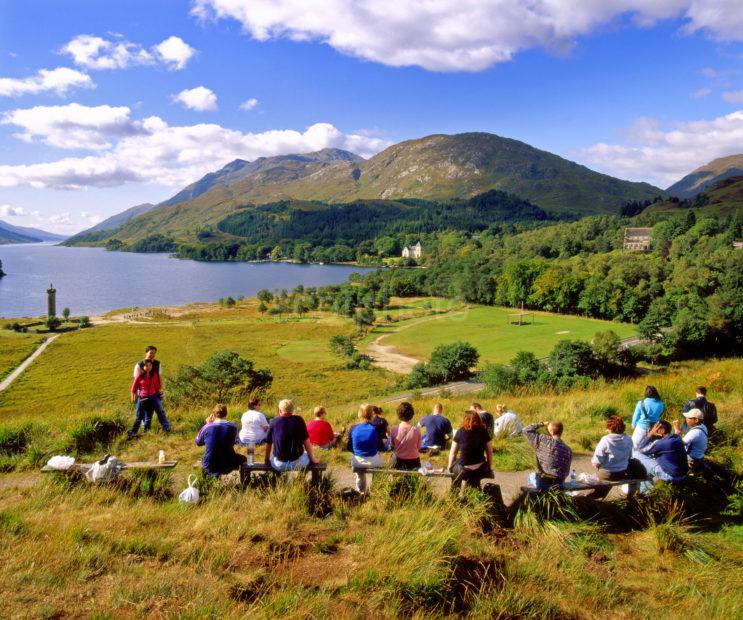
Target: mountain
x=437, y=167
x=724, y=197
x=122, y=218
x=706, y=175
x=24, y=234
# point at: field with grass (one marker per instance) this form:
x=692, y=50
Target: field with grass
x=490, y=331
x=290, y=551
x=14, y=348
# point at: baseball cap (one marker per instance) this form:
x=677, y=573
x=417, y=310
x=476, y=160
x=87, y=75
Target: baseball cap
x=694, y=413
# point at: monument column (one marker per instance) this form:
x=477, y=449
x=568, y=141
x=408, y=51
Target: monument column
x=51, y=301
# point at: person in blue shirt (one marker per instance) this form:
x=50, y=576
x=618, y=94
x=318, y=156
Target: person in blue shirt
x=647, y=412
x=218, y=435
x=438, y=430
x=663, y=454
x=363, y=442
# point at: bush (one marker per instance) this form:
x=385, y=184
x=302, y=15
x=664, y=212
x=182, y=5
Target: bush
x=452, y=362
x=15, y=440
x=224, y=376
x=526, y=367
x=418, y=377
x=342, y=345
x=84, y=321
x=499, y=378
x=571, y=358
x=94, y=434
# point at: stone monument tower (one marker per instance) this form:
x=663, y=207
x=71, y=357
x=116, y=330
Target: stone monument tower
x=51, y=301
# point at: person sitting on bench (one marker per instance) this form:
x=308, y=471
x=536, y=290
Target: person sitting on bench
x=321, y=432
x=383, y=429
x=218, y=435
x=612, y=457
x=553, y=455
x=694, y=435
x=288, y=442
x=438, y=430
x=663, y=454
x=254, y=424
x=406, y=440
x=474, y=447
x=363, y=442
x=507, y=423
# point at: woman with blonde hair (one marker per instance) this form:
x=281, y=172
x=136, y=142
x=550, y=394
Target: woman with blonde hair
x=473, y=446
x=363, y=442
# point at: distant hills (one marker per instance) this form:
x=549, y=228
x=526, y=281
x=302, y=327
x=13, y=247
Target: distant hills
x=434, y=168
x=707, y=175
x=22, y=234
x=723, y=197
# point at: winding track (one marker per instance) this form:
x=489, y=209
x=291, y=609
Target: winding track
x=26, y=363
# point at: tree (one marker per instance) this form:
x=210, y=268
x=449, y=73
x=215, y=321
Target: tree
x=452, y=362
x=418, y=377
x=342, y=345
x=262, y=307
x=265, y=296
x=52, y=323
x=299, y=306
x=84, y=321
x=224, y=376
x=571, y=358
x=364, y=318
x=66, y=313
x=525, y=367
x=499, y=378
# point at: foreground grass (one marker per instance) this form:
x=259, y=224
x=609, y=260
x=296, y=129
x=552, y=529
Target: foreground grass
x=489, y=330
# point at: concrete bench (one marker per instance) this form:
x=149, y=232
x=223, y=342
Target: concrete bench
x=400, y=472
x=84, y=467
x=634, y=484
x=316, y=471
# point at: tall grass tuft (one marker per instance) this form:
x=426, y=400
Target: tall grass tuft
x=94, y=433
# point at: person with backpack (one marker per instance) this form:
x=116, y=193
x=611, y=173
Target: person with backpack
x=156, y=404
x=647, y=412
x=707, y=408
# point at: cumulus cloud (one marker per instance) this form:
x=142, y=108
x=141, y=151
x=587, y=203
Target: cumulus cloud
x=459, y=35
x=151, y=151
x=98, y=53
x=733, y=96
x=701, y=93
x=249, y=104
x=72, y=126
x=663, y=156
x=58, y=81
x=10, y=211
x=200, y=99
x=175, y=52
x=61, y=219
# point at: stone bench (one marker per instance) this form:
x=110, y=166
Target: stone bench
x=82, y=468
x=400, y=472
x=634, y=484
x=316, y=471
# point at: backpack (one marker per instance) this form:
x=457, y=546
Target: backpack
x=707, y=408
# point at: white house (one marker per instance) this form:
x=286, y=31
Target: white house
x=415, y=251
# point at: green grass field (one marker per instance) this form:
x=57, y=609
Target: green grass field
x=489, y=331
x=14, y=348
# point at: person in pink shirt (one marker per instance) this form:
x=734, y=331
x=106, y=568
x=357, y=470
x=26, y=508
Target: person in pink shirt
x=145, y=388
x=406, y=439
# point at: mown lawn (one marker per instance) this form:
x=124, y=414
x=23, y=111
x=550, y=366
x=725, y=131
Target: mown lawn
x=489, y=330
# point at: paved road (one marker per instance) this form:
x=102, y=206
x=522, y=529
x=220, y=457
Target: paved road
x=17, y=372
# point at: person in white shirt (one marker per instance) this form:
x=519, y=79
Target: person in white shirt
x=507, y=423
x=254, y=425
x=613, y=457
x=695, y=437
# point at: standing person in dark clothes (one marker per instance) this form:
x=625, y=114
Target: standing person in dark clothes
x=157, y=401
x=707, y=408
x=474, y=447
x=553, y=454
x=218, y=435
x=485, y=416
x=406, y=439
x=288, y=444
x=438, y=430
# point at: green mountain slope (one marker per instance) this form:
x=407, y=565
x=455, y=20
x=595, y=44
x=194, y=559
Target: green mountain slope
x=707, y=175
x=723, y=197
x=437, y=167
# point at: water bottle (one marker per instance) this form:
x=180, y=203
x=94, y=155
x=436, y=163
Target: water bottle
x=573, y=478
x=161, y=457
x=251, y=452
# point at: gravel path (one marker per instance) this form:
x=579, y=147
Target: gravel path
x=26, y=363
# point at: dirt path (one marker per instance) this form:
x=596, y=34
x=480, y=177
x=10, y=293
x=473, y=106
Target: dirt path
x=26, y=363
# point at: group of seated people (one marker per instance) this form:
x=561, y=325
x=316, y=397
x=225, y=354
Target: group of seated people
x=661, y=451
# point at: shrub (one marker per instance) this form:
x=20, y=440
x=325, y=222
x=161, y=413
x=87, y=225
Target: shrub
x=15, y=440
x=342, y=345
x=84, y=321
x=571, y=358
x=526, y=367
x=94, y=433
x=418, y=377
x=498, y=378
x=452, y=362
x=224, y=376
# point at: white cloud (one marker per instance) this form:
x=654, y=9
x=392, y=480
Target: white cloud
x=58, y=81
x=117, y=53
x=151, y=151
x=200, y=99
x=61, y=219
x=459, y=35
x=733, y=96
x=72, y=126
x=91, y=218
x=175, y=52
x=249, y=104
x=663, y=156
x=701, y=93
x=10, y=211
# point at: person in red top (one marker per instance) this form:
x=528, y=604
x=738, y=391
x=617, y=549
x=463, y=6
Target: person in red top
x=145, y=387
x=321, y=432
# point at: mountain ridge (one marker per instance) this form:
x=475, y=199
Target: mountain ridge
x=10, y=233
x=708, y=174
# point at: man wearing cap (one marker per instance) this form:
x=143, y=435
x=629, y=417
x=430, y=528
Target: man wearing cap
x=707, y=408
x=694, y=437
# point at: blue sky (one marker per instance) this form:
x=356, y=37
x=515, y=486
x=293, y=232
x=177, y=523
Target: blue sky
x=141, y=98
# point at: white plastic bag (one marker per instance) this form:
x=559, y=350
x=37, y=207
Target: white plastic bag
x=190, y=495
x=105, y=470
x=62, y=463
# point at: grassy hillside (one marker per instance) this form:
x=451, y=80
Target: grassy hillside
x=124, y=551
x=437, y=167
x=709, y=174
x=722, y=197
